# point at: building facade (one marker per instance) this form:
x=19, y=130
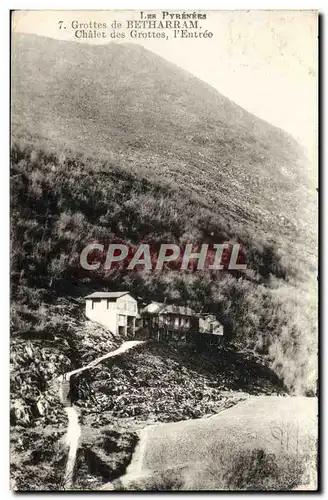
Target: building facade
x=169, y=322
x=116, y=311
x=211, y=331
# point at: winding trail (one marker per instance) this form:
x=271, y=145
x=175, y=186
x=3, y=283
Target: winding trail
x=72, y=438
x=126, y=346
x=73, y=432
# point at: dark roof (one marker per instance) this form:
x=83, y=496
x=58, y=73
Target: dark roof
x=159, y=308
x=182, y=310
x=106, y=295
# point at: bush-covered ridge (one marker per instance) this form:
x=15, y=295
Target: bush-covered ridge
x=134, y=109
x=61, y=202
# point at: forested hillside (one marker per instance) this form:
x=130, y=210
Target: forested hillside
x=60, y=206
x=113, y=143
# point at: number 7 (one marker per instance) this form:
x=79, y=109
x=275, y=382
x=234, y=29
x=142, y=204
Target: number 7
x=60, y=24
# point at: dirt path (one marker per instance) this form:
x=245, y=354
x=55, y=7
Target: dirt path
x=72, y=441
x=195, y=453
x=126, y=346
x=73, y=432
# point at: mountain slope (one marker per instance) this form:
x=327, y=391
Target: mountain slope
x=113, y=142
x=128, y=105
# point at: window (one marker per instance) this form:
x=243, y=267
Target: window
x=94, y=302
x=132, y=307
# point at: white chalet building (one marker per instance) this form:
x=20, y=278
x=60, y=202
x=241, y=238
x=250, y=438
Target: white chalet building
x=117, y=311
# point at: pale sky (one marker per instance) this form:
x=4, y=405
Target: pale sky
x=265, y=61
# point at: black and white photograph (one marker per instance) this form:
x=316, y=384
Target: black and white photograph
x=164, y=250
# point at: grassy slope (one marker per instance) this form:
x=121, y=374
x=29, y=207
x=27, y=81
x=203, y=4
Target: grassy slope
x=125, y=104
x=263, y=443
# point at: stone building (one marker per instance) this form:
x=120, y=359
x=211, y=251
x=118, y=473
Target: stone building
x=116, y=311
